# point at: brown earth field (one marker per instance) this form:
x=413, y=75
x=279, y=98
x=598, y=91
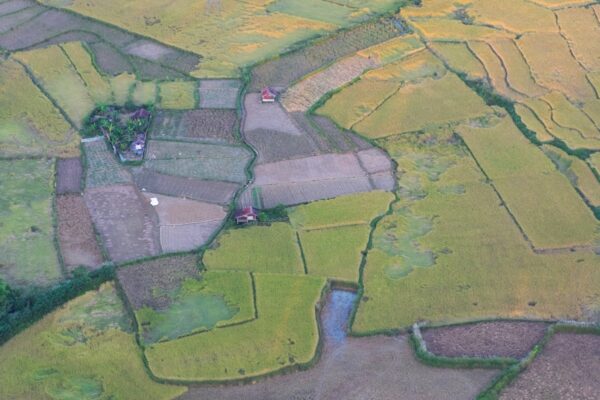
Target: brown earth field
x=378, y=367
x=208, y=124
x=219, y=93
x=274, y=146
x=69, y=173
x=76, y=234
x=566, y=369
x=486, y=339
x=126, y=222
x=270, y=116
x=179, y=186
x=149, y=282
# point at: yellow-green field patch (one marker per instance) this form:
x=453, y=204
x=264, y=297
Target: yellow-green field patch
x=258, y=249
x=144, y=93
x=460, y=58
x=179, y=95
x=285, y=334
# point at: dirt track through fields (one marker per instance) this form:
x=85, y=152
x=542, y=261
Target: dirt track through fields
x=378, y=367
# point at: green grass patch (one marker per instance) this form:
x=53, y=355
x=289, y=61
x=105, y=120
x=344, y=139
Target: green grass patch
x=82, y=351
x=258, y=249
x=284, y=335
x=29, y=257
x=217, y=299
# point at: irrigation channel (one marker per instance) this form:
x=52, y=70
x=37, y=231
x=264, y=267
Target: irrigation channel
x=377, y=367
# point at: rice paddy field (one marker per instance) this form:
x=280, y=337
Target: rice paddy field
x=439, y=158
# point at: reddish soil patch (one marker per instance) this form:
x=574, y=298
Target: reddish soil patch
x=486, y=339
x=567, y=369
x=76, y=234
x=178, y=186
x=148, y=284
x=125, y=220
x=69, y=173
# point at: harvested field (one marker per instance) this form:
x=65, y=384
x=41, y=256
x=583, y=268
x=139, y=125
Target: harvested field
x=196, y=160
x=374, y=161
x=269, y=249
x=378, y=367
x=126, y=223
x=102, y=167
x=76, y=234
x=307, y=124
x=567, y=368
x=69, y=175
x=209, y=125
x=553, y=66
x=109, y=60
x=177, y=95
x=415, y=107
x=185, y=224
x=83, y=350
x=308, y=91
x=28, y=256
x=284, y=334
x=283, y=71
x=29, y=122
x=485, y=339
x=460, y=58
x=148, y=284
x=267, y=116
x=273, y=146
x=219, y=93
x=342, y=140
x=147, y=49
x=13, y=6
x=12, y=21
x=176, y=186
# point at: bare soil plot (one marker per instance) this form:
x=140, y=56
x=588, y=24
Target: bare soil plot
x=13, y=6
x=308, y=125
x=110, y=60
x=210, y=125
x=177, y=186
x=198, y=160
x=374, y=161
x=126, y=222
x=76, y=234
x=361, y=368
x=147, y=49
x=69, y=173
x=103, y=169
x=269, y=116
x=566, y=369
x=219, y=93
x=9, y=22
x=185, y=224
x=274, y=146
x=319, y=177
x=342, y=139
x=283, y=71
x=148, y=283
x=486, y=339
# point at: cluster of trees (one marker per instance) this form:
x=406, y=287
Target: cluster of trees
x=117, y=126
x=20, y=309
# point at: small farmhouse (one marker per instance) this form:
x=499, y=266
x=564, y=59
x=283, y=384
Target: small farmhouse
x=245, y=215
x=268, y=95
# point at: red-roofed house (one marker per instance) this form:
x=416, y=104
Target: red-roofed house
x=268, y=95
x=245, y=215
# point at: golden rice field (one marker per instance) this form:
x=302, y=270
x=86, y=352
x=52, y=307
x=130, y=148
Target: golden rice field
x=179, y=95
x=83, y=350
x=228, y=34
x=420, y=65
x=581, y=28
x=542, y=201
x=284, y=334
x=449, y=29
x=122, y=85
x=516, y=16
x=58, y=77
x=143, y=93
x=393, y=49
x=460, y=58
x=29, y=123
x=416, y=106
x=565, y=114
x=533, y=123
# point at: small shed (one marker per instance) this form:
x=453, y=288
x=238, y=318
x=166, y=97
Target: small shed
x=245, y=215
x=268, y=95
